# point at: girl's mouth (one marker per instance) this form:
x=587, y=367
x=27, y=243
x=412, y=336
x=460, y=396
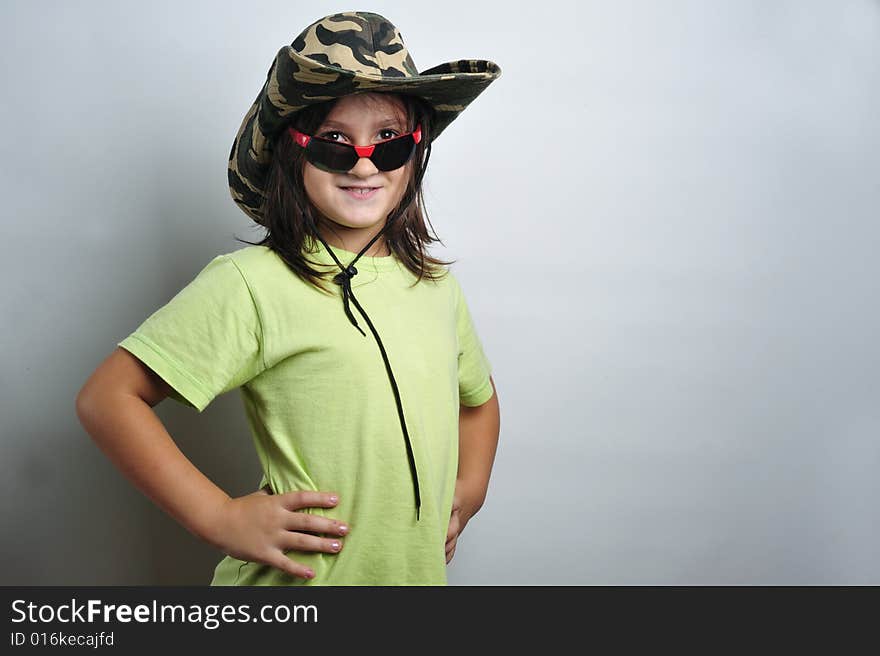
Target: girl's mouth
x=360, y=193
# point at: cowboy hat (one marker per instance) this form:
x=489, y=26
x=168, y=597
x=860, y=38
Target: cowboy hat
x=339, y=55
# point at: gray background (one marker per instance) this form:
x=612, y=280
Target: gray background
x=664, y=217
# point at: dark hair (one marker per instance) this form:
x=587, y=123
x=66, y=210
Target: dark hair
x=288, y=231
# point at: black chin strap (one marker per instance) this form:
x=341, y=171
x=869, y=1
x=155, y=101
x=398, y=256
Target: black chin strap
x=343, y=279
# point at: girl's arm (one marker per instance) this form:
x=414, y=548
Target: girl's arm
x=477, y=441
x=478, y=429
x=115, y=408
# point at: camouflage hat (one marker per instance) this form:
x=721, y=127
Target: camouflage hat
x=339, y=55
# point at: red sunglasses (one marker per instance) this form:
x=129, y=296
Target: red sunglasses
x=337, y=157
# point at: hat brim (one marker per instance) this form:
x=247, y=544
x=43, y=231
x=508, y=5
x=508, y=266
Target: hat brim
x=295, y=81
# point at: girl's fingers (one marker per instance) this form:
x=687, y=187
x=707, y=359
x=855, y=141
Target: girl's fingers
x=453, y=528
x=299, y=499
x=450, y=548
x=293, y=541
x=300, y=521
x=279, y=560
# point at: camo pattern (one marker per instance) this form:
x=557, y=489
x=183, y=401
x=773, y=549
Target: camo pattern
x=338, y=55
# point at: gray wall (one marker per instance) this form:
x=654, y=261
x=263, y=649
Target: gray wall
x=665, y=224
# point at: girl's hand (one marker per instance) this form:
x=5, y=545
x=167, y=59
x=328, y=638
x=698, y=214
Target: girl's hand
x=260, y=527
x=458, y=519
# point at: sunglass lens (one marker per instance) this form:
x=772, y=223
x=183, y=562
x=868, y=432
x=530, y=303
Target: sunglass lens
x=332, y=157
x=393, y=154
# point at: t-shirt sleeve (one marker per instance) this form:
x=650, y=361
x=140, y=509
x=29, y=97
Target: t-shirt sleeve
x=207, y=340
x=474, y=386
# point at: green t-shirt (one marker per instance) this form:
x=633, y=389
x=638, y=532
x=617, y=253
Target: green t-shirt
x=319, y=402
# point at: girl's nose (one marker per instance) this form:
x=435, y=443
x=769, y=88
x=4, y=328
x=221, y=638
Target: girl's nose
x=364, y=167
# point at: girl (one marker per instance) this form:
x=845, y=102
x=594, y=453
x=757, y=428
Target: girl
x=376, y=433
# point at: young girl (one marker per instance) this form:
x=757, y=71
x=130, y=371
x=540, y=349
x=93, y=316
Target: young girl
x=365, y=386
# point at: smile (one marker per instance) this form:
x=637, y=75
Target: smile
x=361, y=193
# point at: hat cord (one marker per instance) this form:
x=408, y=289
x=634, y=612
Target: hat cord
x=343, y=279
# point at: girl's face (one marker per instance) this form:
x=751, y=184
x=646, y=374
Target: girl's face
x=359, y=121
